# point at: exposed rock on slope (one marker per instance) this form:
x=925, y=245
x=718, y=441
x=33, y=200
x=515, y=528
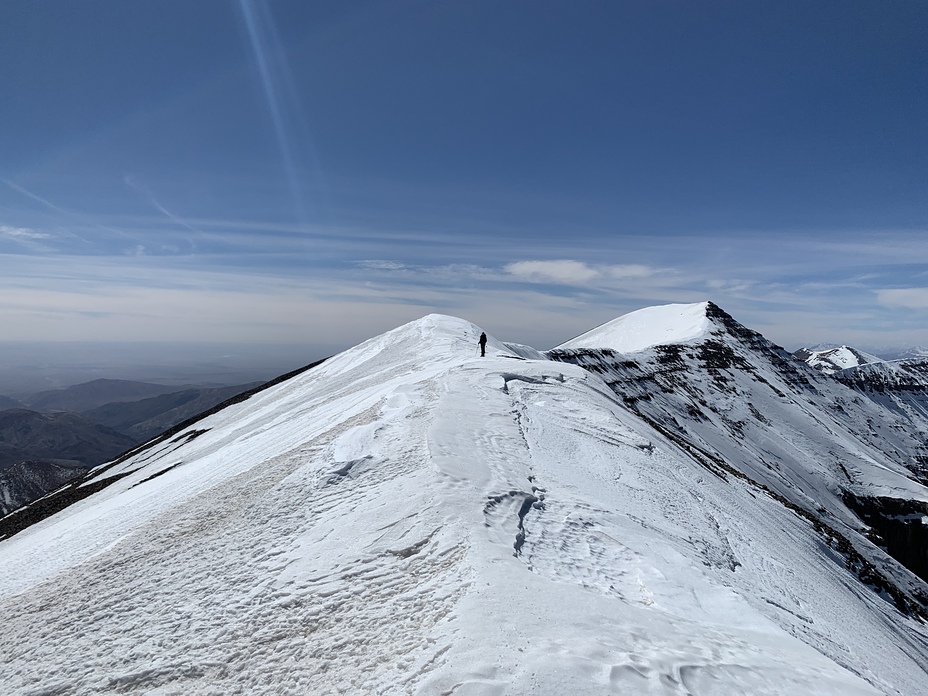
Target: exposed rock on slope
x=23, y=482
x=900, y=387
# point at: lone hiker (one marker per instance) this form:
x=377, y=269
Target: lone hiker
x=483, y=344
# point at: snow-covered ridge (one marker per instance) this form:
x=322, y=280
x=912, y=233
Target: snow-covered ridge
x=411, y=518
x=644, y=328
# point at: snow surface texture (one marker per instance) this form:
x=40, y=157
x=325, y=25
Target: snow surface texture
x=407, y=518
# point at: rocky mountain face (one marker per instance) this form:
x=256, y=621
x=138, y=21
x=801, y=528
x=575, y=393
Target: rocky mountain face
x=25, y=481
x=744, y=407
x=670, y=504
x=899, y=387
x=41, y=451
x=895, y=376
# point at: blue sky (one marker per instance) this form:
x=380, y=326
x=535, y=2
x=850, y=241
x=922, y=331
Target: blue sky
x=312, y=173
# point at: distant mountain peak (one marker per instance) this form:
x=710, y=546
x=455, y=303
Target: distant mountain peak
x=831, y=360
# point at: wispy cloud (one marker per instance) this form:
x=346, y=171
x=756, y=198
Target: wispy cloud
x=573, y=272
x=562, y=271
x=150, y=197
x=26, y=239
x=69, y=215
x=35, y=197
x=909, y=298
x=777, y=284
x=381, y=265
x=22, y=233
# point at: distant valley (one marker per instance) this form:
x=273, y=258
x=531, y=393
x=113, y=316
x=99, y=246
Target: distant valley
x=49, y=437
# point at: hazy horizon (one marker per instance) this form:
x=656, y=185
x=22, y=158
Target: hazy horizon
x=28, y=367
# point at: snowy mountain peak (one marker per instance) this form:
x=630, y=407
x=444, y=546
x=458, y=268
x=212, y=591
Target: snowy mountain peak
x=830, y=360
x=432, y=341
x=648, y=327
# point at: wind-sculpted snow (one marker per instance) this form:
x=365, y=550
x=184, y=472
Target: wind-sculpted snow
x=408, y=518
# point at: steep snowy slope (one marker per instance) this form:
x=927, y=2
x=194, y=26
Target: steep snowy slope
x=831, y=360
x=407, y=518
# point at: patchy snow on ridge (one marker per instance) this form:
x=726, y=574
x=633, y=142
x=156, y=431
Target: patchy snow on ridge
x=408, y=518
x=644, y=328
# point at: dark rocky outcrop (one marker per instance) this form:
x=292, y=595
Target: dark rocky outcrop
x=900, y=526
x=26, y=481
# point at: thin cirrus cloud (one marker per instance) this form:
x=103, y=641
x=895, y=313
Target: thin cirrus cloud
x=22, y=233
x=907, y=298
x=571, y=272
x=565, y=272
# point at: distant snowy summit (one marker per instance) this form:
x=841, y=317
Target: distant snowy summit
x=831, y=360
